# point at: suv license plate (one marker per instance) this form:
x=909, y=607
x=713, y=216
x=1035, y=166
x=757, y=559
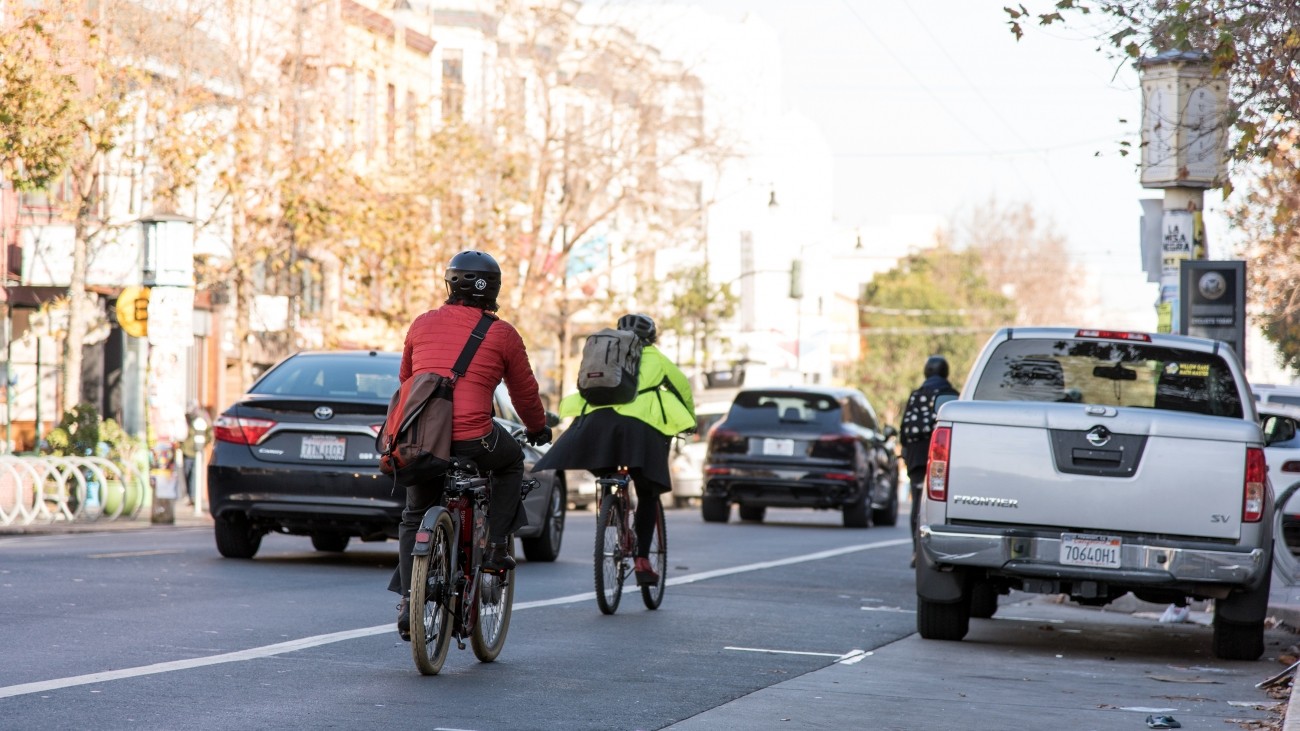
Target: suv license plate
x=331, y=448
x=779, y=447
x=1081, y=549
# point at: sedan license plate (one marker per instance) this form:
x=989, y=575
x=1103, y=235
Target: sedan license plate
x=779, y=447
x=1081, y=549
x=324, y=448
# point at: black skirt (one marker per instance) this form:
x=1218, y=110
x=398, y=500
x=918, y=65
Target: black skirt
x=604, y=440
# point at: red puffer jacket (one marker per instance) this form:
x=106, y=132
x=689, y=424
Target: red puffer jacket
x=435, y=340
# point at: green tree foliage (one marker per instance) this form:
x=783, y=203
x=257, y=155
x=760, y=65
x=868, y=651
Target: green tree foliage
x=695, y=310
x=37, y=117
x=934, y=301
x=1255, y=43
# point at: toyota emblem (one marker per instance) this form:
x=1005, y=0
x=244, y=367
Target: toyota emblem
x=324, y=412
x=1098, y=436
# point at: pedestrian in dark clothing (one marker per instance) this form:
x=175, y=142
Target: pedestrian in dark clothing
x=919, y=417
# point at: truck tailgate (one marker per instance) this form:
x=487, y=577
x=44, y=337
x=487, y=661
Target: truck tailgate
x=1154, y=471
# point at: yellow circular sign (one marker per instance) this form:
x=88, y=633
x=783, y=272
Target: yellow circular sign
x=133, y=311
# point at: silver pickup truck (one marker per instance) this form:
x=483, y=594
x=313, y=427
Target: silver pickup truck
x=1095, y=463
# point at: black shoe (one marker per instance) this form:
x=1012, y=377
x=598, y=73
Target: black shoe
x=404, y=619
x=645, y=573
x=498, y=560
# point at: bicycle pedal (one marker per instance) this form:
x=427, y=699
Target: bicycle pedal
x=460, y=644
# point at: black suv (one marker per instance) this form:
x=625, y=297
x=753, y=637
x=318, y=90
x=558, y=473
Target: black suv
x=802, y=446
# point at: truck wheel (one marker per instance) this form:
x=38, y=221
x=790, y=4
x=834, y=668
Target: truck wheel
x=983, y=600
x=857, y=513
x=753, y=513
x=1234, y=641
x=936, y=621
x=715, y=509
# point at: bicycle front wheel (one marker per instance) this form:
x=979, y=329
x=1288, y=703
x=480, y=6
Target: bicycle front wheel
x=430, y=594
x=653, y=594
x=496, y=596
x=610, y=569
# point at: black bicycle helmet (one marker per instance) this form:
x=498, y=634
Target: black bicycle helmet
x=474, y=277
x=640, y=324
x=936, y=365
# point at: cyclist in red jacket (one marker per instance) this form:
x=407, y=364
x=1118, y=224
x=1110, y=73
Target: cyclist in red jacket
x=433, y=343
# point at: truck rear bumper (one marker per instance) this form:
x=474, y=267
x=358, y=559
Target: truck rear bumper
x=1143, y=561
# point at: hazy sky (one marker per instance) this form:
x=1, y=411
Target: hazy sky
x=931, y=107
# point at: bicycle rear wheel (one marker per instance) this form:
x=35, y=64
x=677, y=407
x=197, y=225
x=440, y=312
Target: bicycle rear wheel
x=430, y=592
x=496, y=597
x=610, y=568
x=653, y=594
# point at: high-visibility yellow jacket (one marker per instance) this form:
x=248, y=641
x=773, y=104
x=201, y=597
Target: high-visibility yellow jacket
x=663, y=399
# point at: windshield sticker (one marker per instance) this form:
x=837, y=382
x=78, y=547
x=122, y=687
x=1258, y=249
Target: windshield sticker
x=1191, y=370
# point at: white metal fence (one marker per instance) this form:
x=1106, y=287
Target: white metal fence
x=47, y=489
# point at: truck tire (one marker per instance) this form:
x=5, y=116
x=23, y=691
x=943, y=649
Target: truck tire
x=753, y=513
x=715, y=509
x=942, y=621
x=983, y=600
x=1234, y=641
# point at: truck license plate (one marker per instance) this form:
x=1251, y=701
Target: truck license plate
x=779, y=447
x=1081, y=549
x=331, y=448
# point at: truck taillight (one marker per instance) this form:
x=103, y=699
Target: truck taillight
x=1252, y=506
x=936, y=478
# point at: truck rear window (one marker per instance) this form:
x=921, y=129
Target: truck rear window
x=1112, y=374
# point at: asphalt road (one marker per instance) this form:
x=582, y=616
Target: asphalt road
x=762, y=626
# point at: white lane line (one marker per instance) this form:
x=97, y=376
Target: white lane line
x=854, y=657
x=265, y=651
x=133, y=554
x=898, y=610
x=784, y=652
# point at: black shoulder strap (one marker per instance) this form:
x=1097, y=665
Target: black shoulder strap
x=471, y=347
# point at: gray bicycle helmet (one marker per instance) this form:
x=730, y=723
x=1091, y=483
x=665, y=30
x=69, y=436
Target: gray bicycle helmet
x=640, y=324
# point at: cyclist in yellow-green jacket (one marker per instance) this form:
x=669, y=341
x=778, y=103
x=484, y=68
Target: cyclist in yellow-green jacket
x=636, y=435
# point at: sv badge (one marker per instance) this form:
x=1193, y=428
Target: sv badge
x=1217, y=518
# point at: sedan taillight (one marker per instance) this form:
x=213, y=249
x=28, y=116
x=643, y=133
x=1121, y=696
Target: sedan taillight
x=1252, y=501
x=238, y=430
x=936, y=478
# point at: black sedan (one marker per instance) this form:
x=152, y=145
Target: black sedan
x=808, y=446
x=296, y=455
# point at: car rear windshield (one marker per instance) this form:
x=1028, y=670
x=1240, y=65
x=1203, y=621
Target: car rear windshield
x=1110, y=373
x=770, y=408
x=342, y=376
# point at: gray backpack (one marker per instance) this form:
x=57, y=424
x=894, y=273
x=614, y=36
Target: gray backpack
x=611, y=360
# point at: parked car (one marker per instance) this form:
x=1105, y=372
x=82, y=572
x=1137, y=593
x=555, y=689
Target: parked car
x=296, y=455
x=1281, y=425
x=1268, y=393
x=687, y=461
x=801, y=446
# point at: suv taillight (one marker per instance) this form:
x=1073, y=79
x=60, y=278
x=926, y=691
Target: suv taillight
x=835, y=446
x=240, y=431
x=725, y=441
x=1252, y=501
x=936, y=478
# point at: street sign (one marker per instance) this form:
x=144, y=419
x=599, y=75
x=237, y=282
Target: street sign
x=133, y=311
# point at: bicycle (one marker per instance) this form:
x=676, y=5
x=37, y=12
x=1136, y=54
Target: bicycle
x=451, y=596
x=616, y=544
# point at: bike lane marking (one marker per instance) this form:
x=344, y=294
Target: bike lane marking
x=279, y=648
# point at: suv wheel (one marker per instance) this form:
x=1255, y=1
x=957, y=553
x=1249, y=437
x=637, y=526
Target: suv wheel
x=887, y=515
x=330, y=542
x=753, y=513
x=856, y=513
x=715, y=509
x=235, y=538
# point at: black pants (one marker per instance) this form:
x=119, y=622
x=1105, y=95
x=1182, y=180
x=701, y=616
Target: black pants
x=917, y=476
x=496, y=453
x=643, y=521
